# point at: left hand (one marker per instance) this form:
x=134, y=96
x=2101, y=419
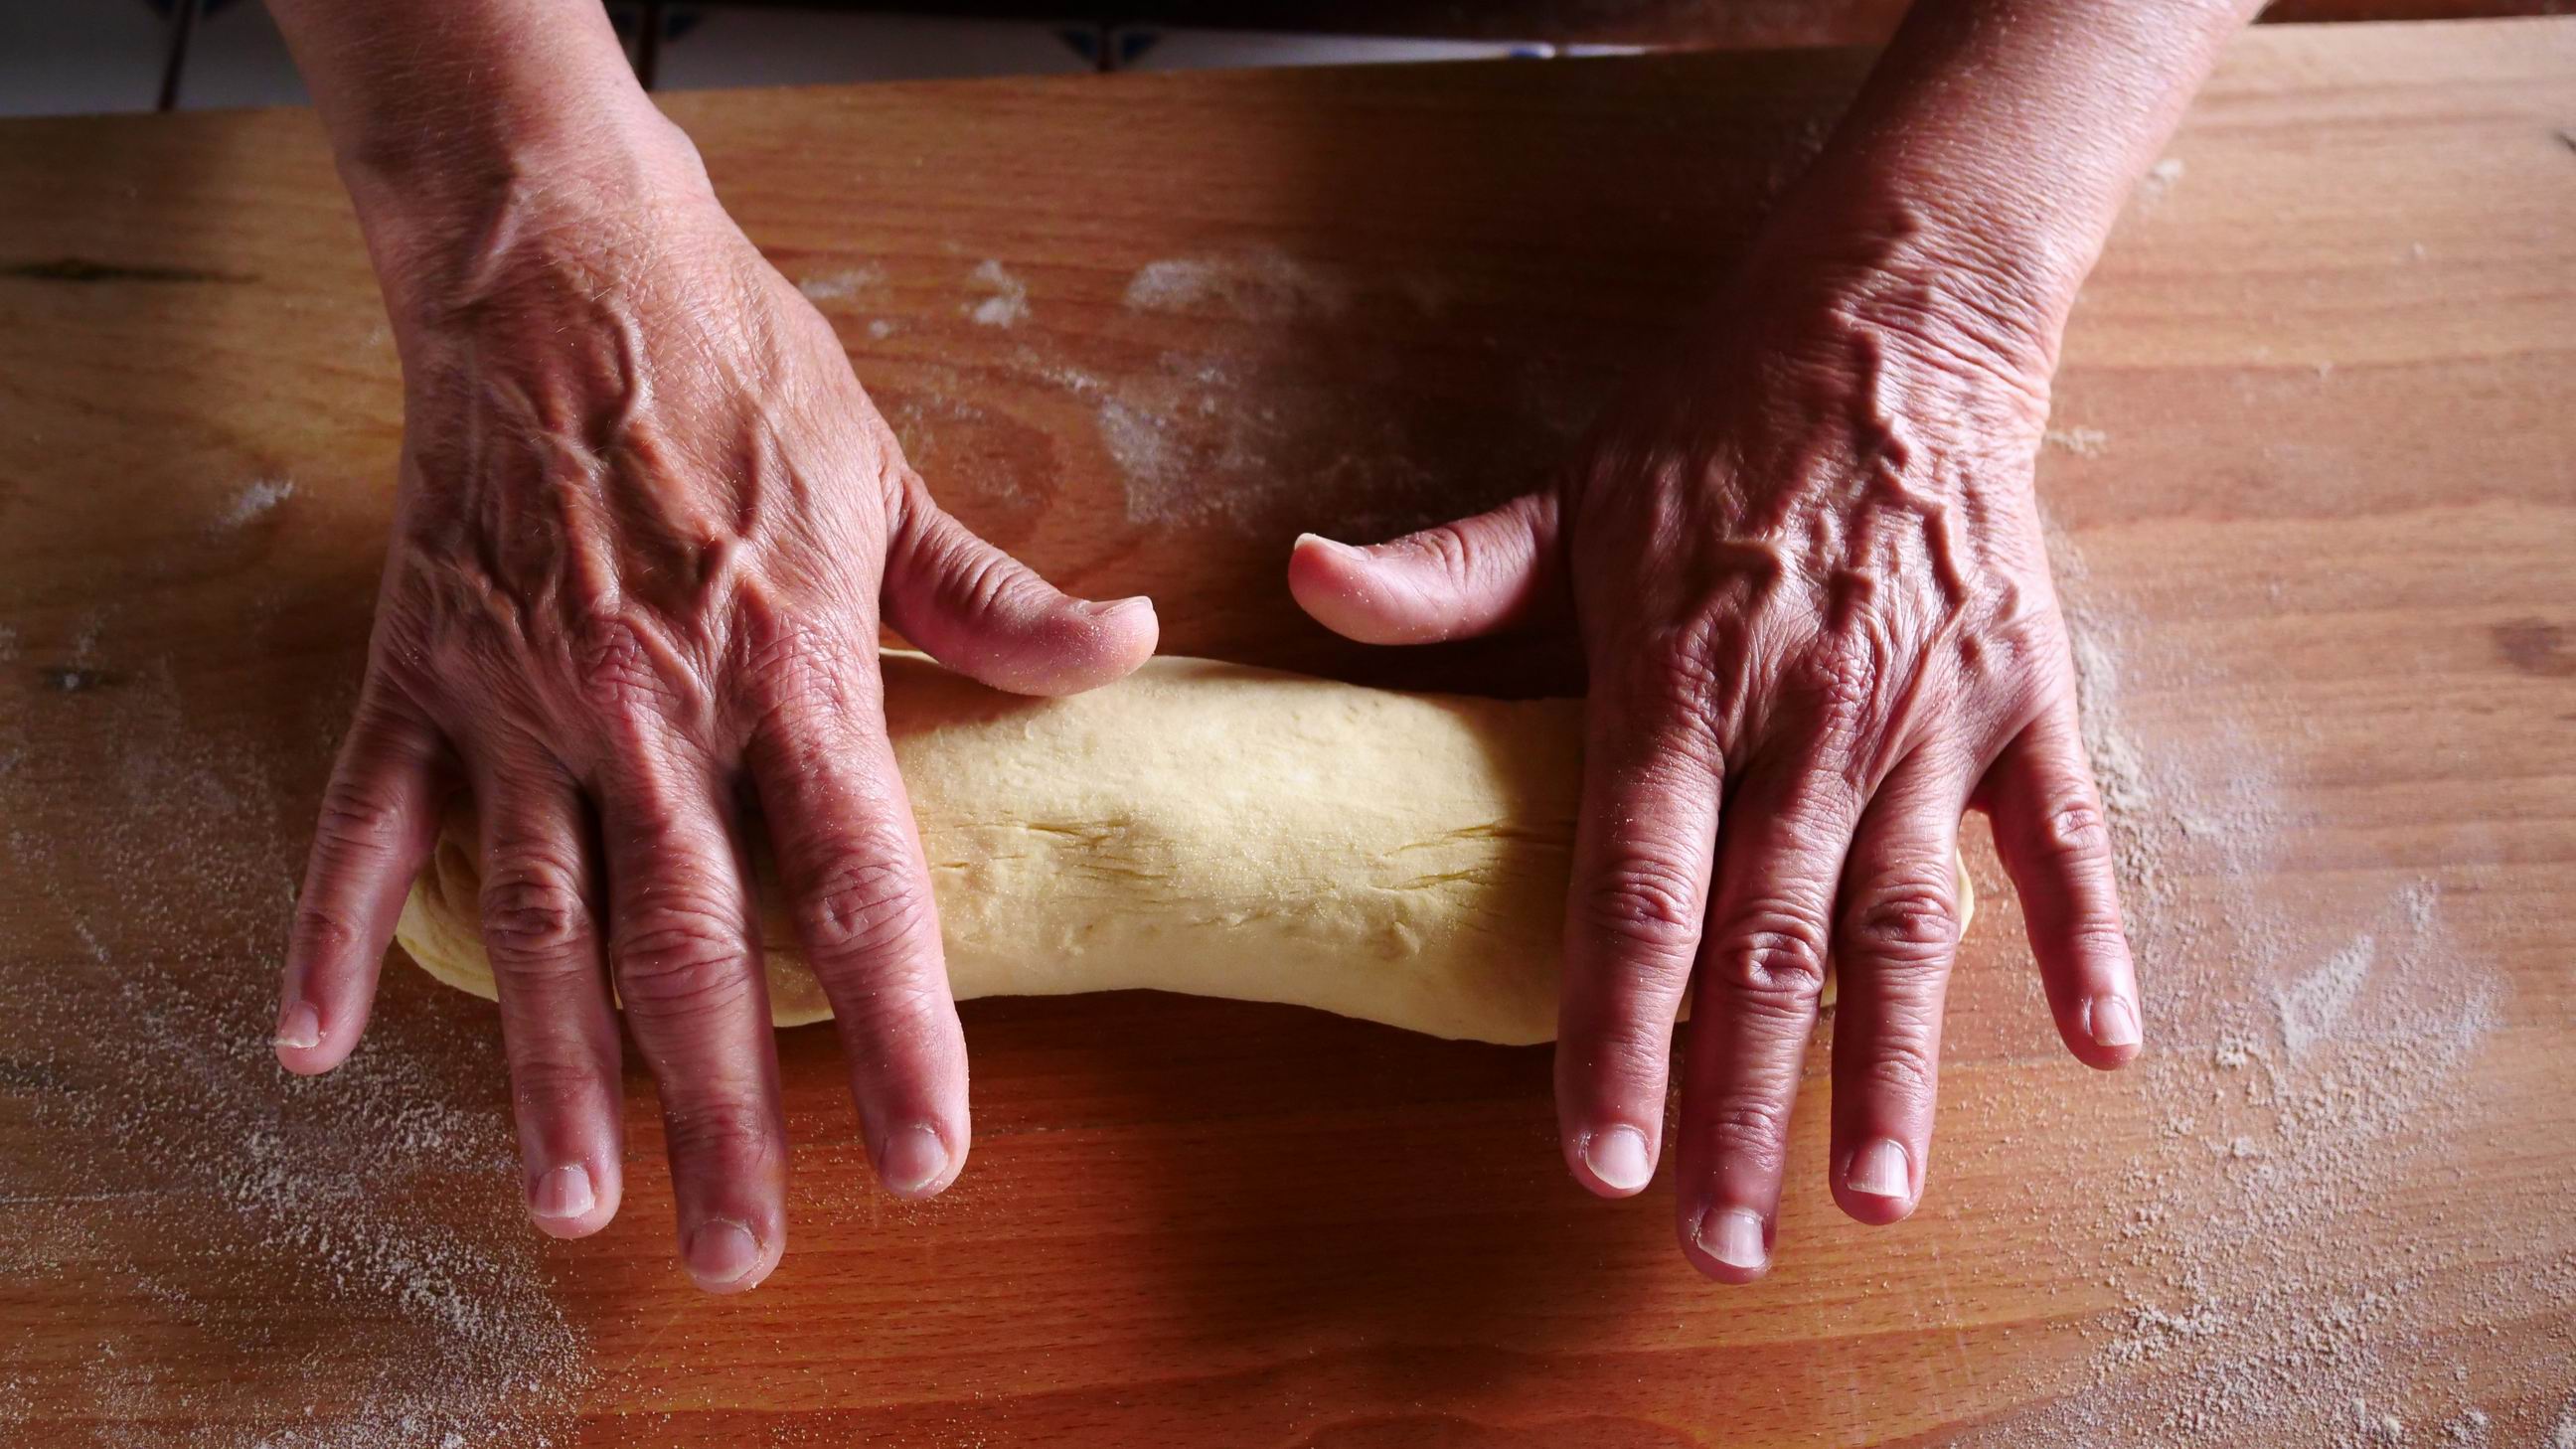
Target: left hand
x=1806, y=569
x=647, y=525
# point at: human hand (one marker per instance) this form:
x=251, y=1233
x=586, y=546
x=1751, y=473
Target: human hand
x=1806, y=569
x=646, y=521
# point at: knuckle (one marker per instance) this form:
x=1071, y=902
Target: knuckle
x=614, y=671
x=1647, y=905
x=449, y=655
x=2019, y=647
x=795, y=659
x=2077, y=827
x=534, y=914
x=647, y=808
x=353, y=825
x=547, y=1087
x=682, y=960
x=1445, y=548
x=909, y=509
x=1907, y=921
x=324, y=934
x=1773, y=962
x=866, y=906
x=1680, y=680
x=1682, y=665
x=1841, y=671
x=980, y=580
x=738, y=1133
x=1750, y=1130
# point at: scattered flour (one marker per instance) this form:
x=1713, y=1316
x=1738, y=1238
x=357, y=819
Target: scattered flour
x=2306, y=1062
x=2160, y=178
x=255, y=499
x=2119, y=767
x=1006, y=303
x=2312, y=1006
x=2083, y=442
x=1274, y=421
x=1261, y=285
x=360, y=1232
x=1249, y=439
x=1249, y=399
x=834, y=286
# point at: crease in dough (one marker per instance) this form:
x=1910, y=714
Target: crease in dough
x=1199, y=827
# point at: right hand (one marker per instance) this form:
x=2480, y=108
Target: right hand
x=1805, y=565
x=645, y=523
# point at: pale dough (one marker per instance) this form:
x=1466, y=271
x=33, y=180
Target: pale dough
x=1206, y=828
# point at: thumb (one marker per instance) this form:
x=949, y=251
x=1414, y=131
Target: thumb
x=1474, y=576
x=985, y=614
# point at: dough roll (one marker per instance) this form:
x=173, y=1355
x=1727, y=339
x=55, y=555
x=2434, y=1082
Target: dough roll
x=1205, y=828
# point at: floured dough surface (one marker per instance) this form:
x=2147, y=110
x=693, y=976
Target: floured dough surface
x=1205, y=828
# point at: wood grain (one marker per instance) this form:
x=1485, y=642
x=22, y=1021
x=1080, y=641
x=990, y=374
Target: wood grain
x=2315, y=487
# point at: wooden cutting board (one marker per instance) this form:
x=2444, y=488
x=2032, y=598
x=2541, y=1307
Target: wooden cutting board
x=2313, y=481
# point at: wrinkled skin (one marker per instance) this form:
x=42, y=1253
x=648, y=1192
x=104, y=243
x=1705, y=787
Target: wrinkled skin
x=1805, y=566
x=646, y=521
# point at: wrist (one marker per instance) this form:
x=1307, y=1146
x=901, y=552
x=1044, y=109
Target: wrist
x=445, y=221
x=1882, y=316
x=1931, y=266
x=1974, y=180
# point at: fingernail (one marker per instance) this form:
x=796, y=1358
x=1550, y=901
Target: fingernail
x=1879, y=1169
x=563, y=1193
x=1328, y=545
x=914, y=1161
x=299, y=1026
x=1103, y=609
x=2114, y=1024
x=1732, y=1236
x=1619, y=1158
x=722, y=1252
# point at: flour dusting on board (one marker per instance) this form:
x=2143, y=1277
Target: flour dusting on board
x=358, y=1237
x=2082, y=441
x=2273, y=1285
x=1006, y=298
x=1263, y=284
x=835, y=286
x=1252, y=393
x=1273, y=411
x=256, y=499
